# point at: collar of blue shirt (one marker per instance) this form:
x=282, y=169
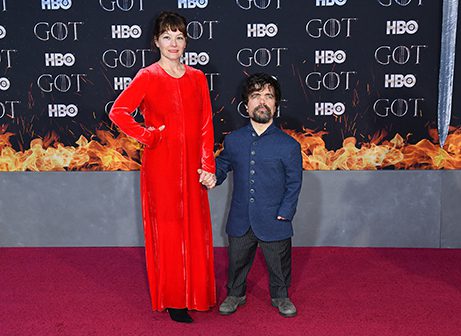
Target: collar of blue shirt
x=272, y=128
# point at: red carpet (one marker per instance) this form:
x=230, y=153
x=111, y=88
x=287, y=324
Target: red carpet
x=338, y=291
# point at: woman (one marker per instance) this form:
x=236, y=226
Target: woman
x=178, y=155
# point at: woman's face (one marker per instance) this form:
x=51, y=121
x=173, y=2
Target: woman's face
x=171, y=44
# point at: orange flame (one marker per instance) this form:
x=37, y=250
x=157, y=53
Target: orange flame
x=379, y=154
x=120, y=153
x=106, y=152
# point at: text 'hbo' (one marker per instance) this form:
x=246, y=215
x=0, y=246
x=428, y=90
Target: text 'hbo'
x=323, y=3
x=192, y=3
x=401, y=27
x=261, y=30
x=58, y=59
x=328, y=109
x=125, y=31
x=56, y=4
x=61, y=110
x=403, y=3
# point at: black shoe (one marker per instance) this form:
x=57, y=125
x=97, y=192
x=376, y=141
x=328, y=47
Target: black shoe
x=180, y=315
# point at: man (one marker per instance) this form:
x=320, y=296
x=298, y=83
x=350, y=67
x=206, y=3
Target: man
x=267, y=167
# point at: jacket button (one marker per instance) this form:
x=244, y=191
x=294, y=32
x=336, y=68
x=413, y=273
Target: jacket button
x=252, y=162
x=253, y=152
x=252, y=191
x=252, y=172
x=252, y=200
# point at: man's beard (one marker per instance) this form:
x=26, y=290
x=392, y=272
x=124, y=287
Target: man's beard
x=261, y=114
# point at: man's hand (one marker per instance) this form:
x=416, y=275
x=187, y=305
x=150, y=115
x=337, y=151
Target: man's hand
x=206, y=178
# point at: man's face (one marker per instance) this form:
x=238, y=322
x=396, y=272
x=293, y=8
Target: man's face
x=261, y=104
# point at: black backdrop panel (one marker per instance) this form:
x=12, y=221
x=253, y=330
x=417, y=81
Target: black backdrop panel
x=351, y=72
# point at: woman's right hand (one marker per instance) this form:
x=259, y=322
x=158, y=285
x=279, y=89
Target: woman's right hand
x=156, y=137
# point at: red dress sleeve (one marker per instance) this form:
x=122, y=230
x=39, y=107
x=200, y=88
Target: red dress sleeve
x=208, y=162
x=126, y=103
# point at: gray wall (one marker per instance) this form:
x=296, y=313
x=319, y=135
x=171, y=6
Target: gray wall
x=336, y=208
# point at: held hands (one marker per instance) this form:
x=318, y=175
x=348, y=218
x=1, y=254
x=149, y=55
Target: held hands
x=206, y=178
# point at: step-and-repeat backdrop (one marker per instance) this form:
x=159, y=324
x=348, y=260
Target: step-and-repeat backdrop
x=359, y=78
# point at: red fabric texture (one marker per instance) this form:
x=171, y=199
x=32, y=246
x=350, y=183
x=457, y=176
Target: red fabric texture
x=176, y=214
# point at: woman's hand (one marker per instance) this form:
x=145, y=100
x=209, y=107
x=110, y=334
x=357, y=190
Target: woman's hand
x=152, y=128
x=154, y=136
x=206, y=178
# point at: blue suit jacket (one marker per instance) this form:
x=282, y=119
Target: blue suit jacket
x=267, y=181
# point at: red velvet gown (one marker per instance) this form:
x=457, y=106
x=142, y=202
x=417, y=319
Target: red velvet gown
x=175, y=208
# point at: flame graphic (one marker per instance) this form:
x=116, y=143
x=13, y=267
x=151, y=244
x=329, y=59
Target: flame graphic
x=379, y=154
x=108, y=152
x=48, y=154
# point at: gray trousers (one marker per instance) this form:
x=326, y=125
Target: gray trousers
x=277, y=254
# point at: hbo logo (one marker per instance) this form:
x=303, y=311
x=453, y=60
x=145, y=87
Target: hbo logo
x=2, y=32
x=192, y=3
x=56, y=4
x=4, y=83
x=401, y=27
x=192, y=58
x=403, y=3
x=321, y=3
x=398, y=81
x=329, y=56
x=121, y=83
x=329, y=109
x=61, y=110
x=262, y=30
x=57, y=59
x=124, y=31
